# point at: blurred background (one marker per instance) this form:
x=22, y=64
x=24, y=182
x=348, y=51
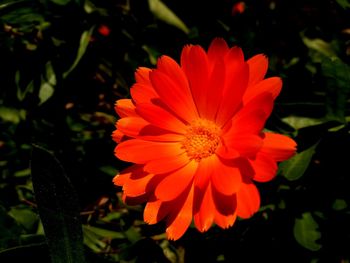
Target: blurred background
x=64, y=63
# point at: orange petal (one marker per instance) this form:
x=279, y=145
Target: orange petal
x=176, y=95
x=215, y=89
x=142, y=75
x=265, y=168
x=257, y=68
x=226, y=178
x=279, y=147
x=225, y=221
x=151, y=213
x=143, y=93
x=167, y=164
x=117, y=136
x=236, y=83
x=247, y=145
x=218, y=49
x=139, y=151
x=181, y=220
x=271, y=85
x=248, y=200
x=252, y=117
x=204, y=217
x=124, y=108
x=204, y=172
x=138, y=185
x=121, y=178
x=176, y=182
x=194, y=62
x=160, y=117
x=224, y=204
x=139, y=128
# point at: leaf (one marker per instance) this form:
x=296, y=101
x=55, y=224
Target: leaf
x=306, y=233
x=12, y=115
x=295, y=167
x=84, y=42
x=320, y=46
x=298, y=122
x=25, y=217
x=48, y=84
x=58, y=207
x=337, y=74
x=162, y=12
x=344, y=3
x=105, y=233
x=339, y=204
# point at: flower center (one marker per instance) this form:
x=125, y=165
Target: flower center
x=201, y=139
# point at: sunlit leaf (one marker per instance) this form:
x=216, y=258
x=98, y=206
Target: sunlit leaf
x=58, y=208
x=11, y=114
x=162, y=12
x=84, y=42
x=48, y=84
x=306, y=232
x=320, y=46
x=298, y=122
x=295, y=167
x=339, y=204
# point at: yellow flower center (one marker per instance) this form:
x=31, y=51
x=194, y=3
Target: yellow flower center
x=201, y=139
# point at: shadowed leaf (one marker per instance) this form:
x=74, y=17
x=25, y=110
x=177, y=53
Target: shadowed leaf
x=306, y=233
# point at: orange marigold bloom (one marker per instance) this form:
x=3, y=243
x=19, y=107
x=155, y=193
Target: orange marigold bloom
x=194, y=132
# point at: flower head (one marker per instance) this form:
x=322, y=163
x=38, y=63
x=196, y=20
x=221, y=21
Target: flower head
x=194, y=132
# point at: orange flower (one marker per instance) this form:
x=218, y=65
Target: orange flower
x=194, y=134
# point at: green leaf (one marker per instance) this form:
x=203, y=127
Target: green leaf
x=337, y=74
x=320, y=46
x=298, y=122
x=58, y=208
x=344, y=3
x=105, y=233
x=84, y=42
x=306, y=233
x=162, y=12
x=12, y=115
x=25, y=217
x=295, y=167
x=48, y=84
x=339, y=204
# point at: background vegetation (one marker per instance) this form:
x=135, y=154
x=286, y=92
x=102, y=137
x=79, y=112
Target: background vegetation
x=63, y=65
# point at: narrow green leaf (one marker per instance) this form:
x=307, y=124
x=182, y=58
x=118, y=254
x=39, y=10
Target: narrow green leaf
x=299, y=122
x=84, y=42
x=295, y=167
x=162, y=12
x=306, y=233
x=105, y=233
x=58, y=208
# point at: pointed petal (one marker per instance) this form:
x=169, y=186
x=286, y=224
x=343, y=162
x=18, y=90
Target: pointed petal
x=204, y=172
x=121, y=178
x=142, y=93
x=160, y=117
x=248, y=200
x=194, y=62
x=176, y=95
x=167, y=164
x=225, y=221
x=178, y=224
x=271, y=85
x=117, y=136
x=153, y=212
x=257, y=68
x=237, y=73
x=247, y=145
x=226, y=178
x=204, y=217
x=124, y=108
x=137, y=184
x=142, y=75
x=218, y=49
x=139, y=151
x=176, y=182
x=279, y=147
x=138, y=128
x=265, y=168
